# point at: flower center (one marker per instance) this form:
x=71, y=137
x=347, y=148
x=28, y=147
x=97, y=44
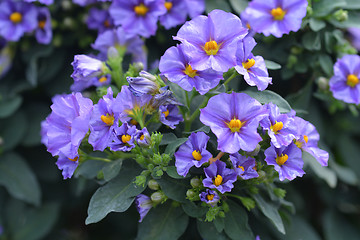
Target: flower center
x=218, y=180
x=210, y=197
x=298, y=143
x=125, y=138
x=235, y=125
x=248, y=26
x=142, y=137
x=189, y=71
x=103, y=79
x=242, y=168
x=73, y=159
x=141, y=9
x=41, y=24
x=211, y=47
x=280, y=160
x=352, y=80
x=276, y=127
x=249, y=63
x=166, y=113
x=16, y=17
x=168, y=5
x=278, y=13
x=196, y=155
x=108, y=119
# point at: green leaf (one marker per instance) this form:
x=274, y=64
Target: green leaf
x=345, y=174
x=205, y=129
x=168, y=138
x=13, y=129
x=311, y=41
x=326, y=64
x=316, y=24
x=236, y=223
x=116, y=196
x=174, y=188
x=217, y=4
x=272, y=65
x=352, y=4
x=270, y=96
x=111, y=170
x=171, y=148
x=194, y=210
x=172, y=172
x=9, y=106
x=352, y=21
x=336, y=227
x=323, y=8
x=165, y=222
x=299, y=227
x=348, y=148
x=239, y=5
x=219, y=224
x=324, y=173
x=19, y=179
x=271, y=212
x=208, y=231
x=89, y=169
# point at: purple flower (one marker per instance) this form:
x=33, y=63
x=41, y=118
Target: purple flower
x=214, y=49
x=174, y=65
x=67, y=165
x=345, y=83
x=210, y=197
x=137, y=17
x=99, y=20
x=308, y=139
x=276, y=17
x=164, y=97
x=103, y=121
x=43, y=32
x=145, y=84
x=234, y=119
x=142, y=137
x=355, y=37
x=83, y=3
x=128, y=105
x=280, y=127
x=16, y=18
x=143, y=205
x=192, y=153
x=287, y=161
x=252, y=67
x=169, y=115
x=46, y=2
x=68, y=124
x=244, y=166
x=176, y=12
x=195, y=7
x=219, y=177
x=123, y=138
x=87, y=68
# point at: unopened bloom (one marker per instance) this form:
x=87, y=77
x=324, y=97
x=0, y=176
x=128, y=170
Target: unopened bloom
x=286, y=160
x=86, y=68
x=214, y=49
x=234, y=119
x=67, y=165
x=164, y=97
x=99, y=19
x=192, y=153
x=176, y=12
x=219, y=177
x=252, y=67
x=137, y=17
x=210, y=197
x=244, y=166
x=123, y=138
x=276, y=17
x=345, y=83
x=175, y=66
x=143, y=204
x=144, y=84
x=308, y=139
x=280, y=127
x=169, y=115
x=43, y=32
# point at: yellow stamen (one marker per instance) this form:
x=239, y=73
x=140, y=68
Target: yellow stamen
x=196, y=155
x=298, y=143
x=242, y=168
x=235, y=125
x=168, y=5
x=306, y=138
x=280, y=160
x=218, y=180
x=16, y=17
x=249, y=63
x=211, y=47
x=125, y=138
x=108, y=119
x=352, y=80
x=210, y=197
x=248, y=26
x=141, y=9
x=166, y=113
x=277, y=127
x=103, y=79
x=189, y=71
x=142, y=137
x=73, y=159
x=278, y=13
x=41, y=24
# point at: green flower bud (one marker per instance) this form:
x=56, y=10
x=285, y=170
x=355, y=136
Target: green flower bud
x=323, y=83
x=153, y=185
x=280, y=192
x=140, y=159
x=190, y=194
x=100, y=175
x=151, y=167
x=195, y=182
x=140, y=180
x=157, y=197
x=165, y=159
x=221, y=214
x=157, y=159
x=156, y=138
x=341, y=15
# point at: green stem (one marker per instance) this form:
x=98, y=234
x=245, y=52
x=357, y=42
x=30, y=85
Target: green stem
x=99, y=159
x=230, y=78
x=233, y=195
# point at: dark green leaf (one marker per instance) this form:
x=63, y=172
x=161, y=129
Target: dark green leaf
x=168, y=138
x=326, y=64
x=89, y=169
x=239, y=5
x=219, y=224
x=271, y=212
x=194, y=210
x=111, y=170
x=311, y=41
x=269, y=96
x=352, y=21
x=345, y=174
x=171, y=171
x=13, y=129
x=174, y=188
x=349, y=148
x=116, y=196
x=217, y=4
x=316, y=24
x=208, y=231
x=19, y=179
x=205, y=129
x=9, y=106
x=165, y=222
x=352, y=4
x=324, y=7
x=236, y=223
x=299, y=227
x=171, y=148
x=337, y=227
x=272, y=65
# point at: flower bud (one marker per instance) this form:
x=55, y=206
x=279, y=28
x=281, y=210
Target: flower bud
x=323, y=83
x=190, y=194
x=195, y=182
x=157, y=197
x=341, y=15
x=153, y=185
